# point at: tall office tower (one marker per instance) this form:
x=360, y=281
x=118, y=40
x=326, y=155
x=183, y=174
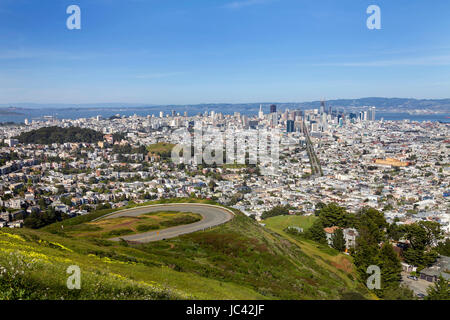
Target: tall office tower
x=261, y=112
x=245, y=121
x=185, y=114
x=161, y=114
x=274, y=118
x=290, y=126
x=366, y=114
x=322, y=106
x=26, y=122
x=369, y=114
x=291, y=115
x=273, y=108
x=372, y=113
x=173, y=113
x=323, y=119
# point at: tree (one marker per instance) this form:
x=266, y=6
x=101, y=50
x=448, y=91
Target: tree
x=444, y=248
x=374, y=221
x=333, y=215
x=433, y=231
x=33, y=221
x=275, y=211
x=48, y=135
x=395, y=232
x=399, y=293
x=66, y=201
x=39, y=220
x=421, y=236
x=366, y=251
x=42, y=203
x=440, y=290
x=212, y=185
x=420, y=258
x=390, y=267
x=338, y=241
x=316, y=232
x=319, y=206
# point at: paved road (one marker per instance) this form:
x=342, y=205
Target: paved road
x=314, y=161
x=212, y=216
x=418, y=286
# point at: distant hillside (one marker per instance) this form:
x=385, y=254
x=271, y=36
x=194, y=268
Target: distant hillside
x=388, y=104
x=49, y=135
x=67, y=111
x=399, y=105
x=382, y=104
x=237, y=260
x=9, y=112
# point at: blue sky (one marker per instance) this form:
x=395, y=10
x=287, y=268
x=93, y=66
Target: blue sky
x=206, y=51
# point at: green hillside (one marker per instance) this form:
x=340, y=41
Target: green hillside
x=108, y=228
x=162, y=149
x=48, y=135
x=324, y=256
x=238, y=260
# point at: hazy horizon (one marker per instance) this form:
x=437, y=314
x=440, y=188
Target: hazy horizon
x=129, y=104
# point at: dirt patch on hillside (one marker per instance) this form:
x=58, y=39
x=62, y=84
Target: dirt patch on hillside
x=343, y=264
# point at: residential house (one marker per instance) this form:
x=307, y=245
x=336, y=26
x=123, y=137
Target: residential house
x=440, y=267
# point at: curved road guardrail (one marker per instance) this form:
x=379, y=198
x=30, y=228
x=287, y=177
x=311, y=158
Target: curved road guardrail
x=212, y=216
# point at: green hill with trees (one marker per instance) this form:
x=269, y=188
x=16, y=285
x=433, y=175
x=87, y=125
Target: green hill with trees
x=374, y=245
x=49, y=135
x=237, y=260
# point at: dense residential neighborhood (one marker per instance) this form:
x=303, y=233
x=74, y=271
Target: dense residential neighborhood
x=399, y=168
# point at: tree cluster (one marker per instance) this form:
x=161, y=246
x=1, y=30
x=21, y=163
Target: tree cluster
x=49, y=135
x=275, y=211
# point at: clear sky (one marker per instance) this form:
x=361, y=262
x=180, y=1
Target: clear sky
x=206, y=51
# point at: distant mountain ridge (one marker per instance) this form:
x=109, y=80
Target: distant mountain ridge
x=9, y=111
x=388, y=104
x=382, y=104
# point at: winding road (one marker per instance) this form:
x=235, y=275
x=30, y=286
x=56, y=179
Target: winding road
x=212, y=216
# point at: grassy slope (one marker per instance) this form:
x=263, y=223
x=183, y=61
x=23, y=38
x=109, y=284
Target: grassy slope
x=108, y=228
x=325, y=256
x=238, y=260
x=282, y=222
x=160, y=148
